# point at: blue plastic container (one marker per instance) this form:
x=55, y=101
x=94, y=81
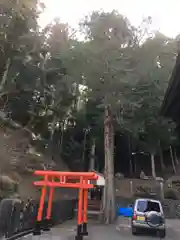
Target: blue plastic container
x=126, y=212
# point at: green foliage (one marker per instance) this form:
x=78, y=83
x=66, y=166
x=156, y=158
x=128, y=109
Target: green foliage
x=171, y=194
x=58, y=86
x=145, y=123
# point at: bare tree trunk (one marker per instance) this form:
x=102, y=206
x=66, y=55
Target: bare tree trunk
x=61, y=139
x=84, y=149
x=172, y=159
x=161, y=156
x=109, y=213
x=161, y=159
x=175, y=156
x=92, y=157
x=53, y=128
x=5, y=75
x=153, y=166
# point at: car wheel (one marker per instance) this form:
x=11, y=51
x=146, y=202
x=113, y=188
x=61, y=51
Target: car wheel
x=162, y=233
x=134, y=230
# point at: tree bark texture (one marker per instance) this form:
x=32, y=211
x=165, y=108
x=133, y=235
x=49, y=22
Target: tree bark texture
x=92, y=157
x=109, y=208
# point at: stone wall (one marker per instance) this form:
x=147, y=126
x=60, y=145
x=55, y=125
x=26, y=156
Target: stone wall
x=17, y=217
x=171, y=208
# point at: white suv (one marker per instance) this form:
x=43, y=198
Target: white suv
x=148, y=214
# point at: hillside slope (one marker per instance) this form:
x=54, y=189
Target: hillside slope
x=19, y=159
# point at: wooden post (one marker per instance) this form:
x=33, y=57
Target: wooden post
x=49, y=208
x=48, y=221
x=131, y=188
x=38, y=225
x=41, y=203
x=85, y=208
x=80, y=217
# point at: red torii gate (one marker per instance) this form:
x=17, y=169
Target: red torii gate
x=54, y=179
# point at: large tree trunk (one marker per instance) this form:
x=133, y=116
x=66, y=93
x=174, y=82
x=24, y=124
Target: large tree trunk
x=109, y=209
x=153, y=166
x=161, y=159
x=92, y=156
x=172, y=159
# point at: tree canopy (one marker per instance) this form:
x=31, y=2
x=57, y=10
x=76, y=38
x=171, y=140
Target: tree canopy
x=57, y=85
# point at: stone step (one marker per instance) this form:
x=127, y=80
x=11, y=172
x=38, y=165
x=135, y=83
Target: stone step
x=93, y=215
x=90, y=207
x=91, y=212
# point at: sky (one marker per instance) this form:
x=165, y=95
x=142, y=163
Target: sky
x=165, y=13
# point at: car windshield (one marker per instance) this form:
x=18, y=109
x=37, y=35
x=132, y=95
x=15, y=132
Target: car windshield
x=147, y=206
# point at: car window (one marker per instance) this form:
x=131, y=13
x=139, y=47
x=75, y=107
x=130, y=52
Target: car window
x=147, y=206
